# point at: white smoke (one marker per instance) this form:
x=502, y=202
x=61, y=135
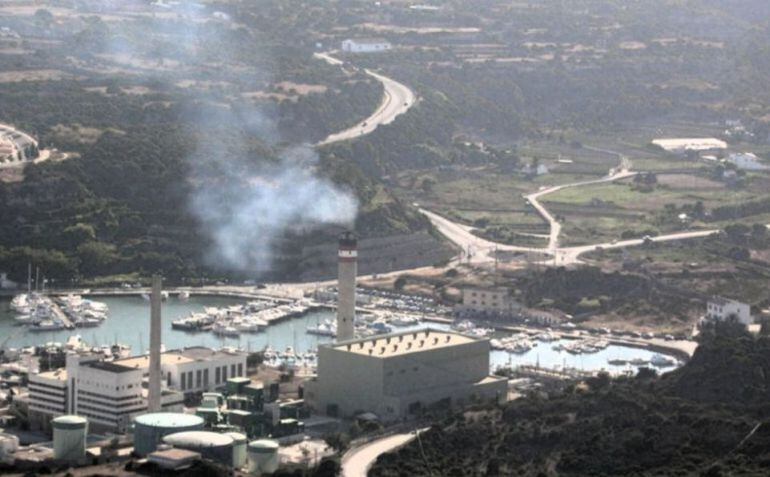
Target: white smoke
x=248, y=210
x=244, y=198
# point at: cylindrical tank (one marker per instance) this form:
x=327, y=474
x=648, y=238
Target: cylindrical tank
x=211, y=445
x=263, y=457
x=239, y=449
x=69, y=438
x=150, y=429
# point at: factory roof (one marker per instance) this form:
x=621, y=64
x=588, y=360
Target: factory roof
x=386, y=346
x=202, y=353
x=109, y=366
x=142, y=362
x=58, y=374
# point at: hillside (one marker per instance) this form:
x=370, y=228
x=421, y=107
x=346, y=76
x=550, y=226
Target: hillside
x=699, y=420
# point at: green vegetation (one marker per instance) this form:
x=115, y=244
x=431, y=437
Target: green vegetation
x=707, y=418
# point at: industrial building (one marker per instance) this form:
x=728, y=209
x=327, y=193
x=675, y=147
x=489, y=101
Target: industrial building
x=396, y=376
x=193, y=369
x=90, y=387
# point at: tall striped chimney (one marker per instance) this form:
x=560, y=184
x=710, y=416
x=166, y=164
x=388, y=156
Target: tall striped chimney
x=347, y=270
x=153, y=399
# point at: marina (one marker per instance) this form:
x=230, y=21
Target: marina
x=295, y=333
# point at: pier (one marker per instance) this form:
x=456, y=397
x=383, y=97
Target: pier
x=59, y=314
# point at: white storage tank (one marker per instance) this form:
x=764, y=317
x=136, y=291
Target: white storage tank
x=150, y=429
x=211, y=445
x=263, y=457
x=9, y=444
x=239, y=449
x=69, y=438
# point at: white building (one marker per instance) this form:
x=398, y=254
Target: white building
x=485, y=300
x=111, y=393
x=194, y=369
x=397, y=376
x=47, y=395
x=746, y=161
x=365, y=45
x=107, y=394
x=723, y=309
x=682, y=145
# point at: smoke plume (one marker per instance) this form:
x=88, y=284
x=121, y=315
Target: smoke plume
x=247, y=191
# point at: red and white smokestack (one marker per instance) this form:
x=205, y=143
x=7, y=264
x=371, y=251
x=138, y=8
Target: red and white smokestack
x=346, y=297
x=154, y=389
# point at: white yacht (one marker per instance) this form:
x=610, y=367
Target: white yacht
x=662, y=361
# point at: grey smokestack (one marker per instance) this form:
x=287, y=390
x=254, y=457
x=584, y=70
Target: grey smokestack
x=153, y=399
x=346, y=297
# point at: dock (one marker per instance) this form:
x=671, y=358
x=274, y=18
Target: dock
x=59, y=314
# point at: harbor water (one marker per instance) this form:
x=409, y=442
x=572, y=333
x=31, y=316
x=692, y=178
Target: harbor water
x=129, y=318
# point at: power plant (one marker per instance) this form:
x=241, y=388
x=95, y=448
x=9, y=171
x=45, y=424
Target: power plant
x=347, y=270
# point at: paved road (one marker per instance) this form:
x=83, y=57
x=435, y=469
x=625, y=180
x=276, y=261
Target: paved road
x=357, y=462
x=568, y=255
x=474, y=249
x=482, y=250
x=553, y=237
x=397, y=99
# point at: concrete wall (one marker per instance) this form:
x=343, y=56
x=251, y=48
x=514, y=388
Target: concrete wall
x=376, y=255
x=351, y=381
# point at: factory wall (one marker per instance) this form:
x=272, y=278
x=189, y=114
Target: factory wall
x=350, y=381
x=391, y=386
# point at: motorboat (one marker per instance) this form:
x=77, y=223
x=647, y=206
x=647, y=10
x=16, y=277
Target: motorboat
x=225, y=330
x=327, y=328
x=662, y=361
x=184, y=295
x=404, y=320
x=48, y=325
x=463, y=326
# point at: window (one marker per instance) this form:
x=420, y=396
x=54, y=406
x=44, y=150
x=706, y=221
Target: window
x=189, y=379
x=217, y=375
x=206, y=377
x=224, y=373
x=240, y=369
x=198, y=378
x=232, y=370
x=182, y=381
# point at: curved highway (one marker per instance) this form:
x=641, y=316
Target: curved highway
x=397, y=99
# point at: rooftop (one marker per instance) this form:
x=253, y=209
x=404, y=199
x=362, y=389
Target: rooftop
x=109, y=366
x=369, y=41
x=58, y=374
x=169, y=419
x=720, y=300
x=142, y=362
x=385, y=346
x=693, y=144
x=201, y=353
